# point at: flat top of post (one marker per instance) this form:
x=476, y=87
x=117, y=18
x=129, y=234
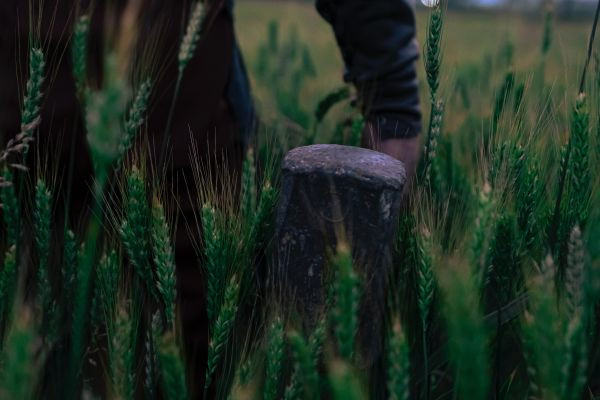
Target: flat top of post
x=361, y=164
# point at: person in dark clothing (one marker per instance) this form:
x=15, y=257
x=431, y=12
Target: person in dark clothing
x=214, y=108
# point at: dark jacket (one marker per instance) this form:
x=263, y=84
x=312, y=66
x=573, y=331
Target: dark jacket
x=377, y=39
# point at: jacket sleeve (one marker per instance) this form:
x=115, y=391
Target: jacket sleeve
x=377, y=39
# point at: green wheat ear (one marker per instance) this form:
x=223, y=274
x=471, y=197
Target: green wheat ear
x=42, y=219
x=580, y=175
x=121, y=357
x=79, y=54
x=347, y=295
x=164, y=260
x=172, y=370
x=192, y=35
x=433, y=50
x=33, y=97
x=107, y=288
x=135, y=230
x=263, y=218
x=398, y=364
x=421, y=257
x=222, y=329
x=430, y=169
x=305, y=378
x=135, y=116
x=215, y=270
x=274, y=359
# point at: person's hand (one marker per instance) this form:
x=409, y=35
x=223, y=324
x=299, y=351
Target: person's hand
x=405, y=150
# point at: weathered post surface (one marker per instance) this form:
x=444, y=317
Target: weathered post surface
x=332, y=193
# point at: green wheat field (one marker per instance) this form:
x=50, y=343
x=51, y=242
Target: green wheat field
x=495, y=288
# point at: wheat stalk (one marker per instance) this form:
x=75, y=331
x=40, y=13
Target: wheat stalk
x=305, y=379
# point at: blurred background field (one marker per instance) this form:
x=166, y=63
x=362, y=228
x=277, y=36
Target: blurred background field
x=474, y=40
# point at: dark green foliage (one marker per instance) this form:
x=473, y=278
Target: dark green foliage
x=468, y=344
x=483, y=251
x=18, y=372
x=504, y=276
x=329, y=101
x=285, y=67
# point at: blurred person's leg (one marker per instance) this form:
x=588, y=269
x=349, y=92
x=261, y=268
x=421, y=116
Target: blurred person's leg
x=202, y=116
